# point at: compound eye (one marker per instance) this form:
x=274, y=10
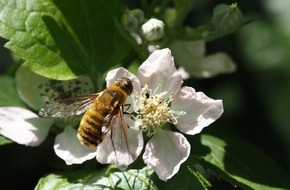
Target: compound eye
x=128, y=84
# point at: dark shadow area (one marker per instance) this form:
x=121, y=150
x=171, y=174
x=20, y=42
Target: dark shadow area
x=22, y=167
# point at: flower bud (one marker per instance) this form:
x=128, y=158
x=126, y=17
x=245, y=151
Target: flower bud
x=153, y=29
x=132, y=20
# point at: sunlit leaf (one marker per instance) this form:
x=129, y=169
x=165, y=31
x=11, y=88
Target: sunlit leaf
x=99, y=179
x=21, y=23
x=66, y=39
x=203, y=181
x=241, y=164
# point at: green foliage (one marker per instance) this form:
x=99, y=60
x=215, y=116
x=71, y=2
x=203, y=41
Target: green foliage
x=232, y=159
x=240, y=163
x=107, y=178
x=8, y=93
x=188, y=177
x=22, y=24
x=227, y=19
x=63, y=39
x=4, y=140
x=265, y=44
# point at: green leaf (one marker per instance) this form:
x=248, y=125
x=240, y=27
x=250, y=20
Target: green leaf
x=186, y=178
x=93, y=41
x=203, y=181
x=66, y=39
x=132, y=20
x=4, y=140
x=227, y=19
x=102, y=179
x=8, y=93
x=241, y=164
x=269, y=44
x=21, y=23
x=191, y=56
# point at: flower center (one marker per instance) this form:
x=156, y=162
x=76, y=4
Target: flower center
x=153, y=110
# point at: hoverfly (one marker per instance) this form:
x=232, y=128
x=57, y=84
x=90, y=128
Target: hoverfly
x=99, y=110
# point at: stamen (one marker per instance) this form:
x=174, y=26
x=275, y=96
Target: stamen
x=153, y=110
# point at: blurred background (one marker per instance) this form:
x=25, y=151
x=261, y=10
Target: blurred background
x=256, y=97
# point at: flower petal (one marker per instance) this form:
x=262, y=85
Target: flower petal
x=113, y=149
x=30, y=94
x=68, y=147
x=184, y=74
x=159, y=69
x=23, y=126
x=165, y=152
x=47, y=90
x=200, y=110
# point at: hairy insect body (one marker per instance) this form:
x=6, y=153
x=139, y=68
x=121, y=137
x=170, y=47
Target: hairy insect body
x=99, y=110
x=96, y=121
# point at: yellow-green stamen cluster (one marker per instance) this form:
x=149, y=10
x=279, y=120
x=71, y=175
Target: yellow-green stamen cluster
x=153, y=110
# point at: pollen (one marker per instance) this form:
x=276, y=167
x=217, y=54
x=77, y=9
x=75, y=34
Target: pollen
x=153, y=110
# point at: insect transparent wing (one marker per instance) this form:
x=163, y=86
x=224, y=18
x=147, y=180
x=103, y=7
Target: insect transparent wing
x=121, y=145
x=68, y=106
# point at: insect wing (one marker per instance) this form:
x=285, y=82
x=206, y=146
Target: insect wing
x=120, y=136
x=68, y=106
x=120, y=145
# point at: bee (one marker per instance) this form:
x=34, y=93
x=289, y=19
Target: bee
x=99, y=110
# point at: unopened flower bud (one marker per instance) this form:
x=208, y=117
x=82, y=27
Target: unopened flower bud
x=153, y=29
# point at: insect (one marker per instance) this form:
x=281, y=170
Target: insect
x=99, y=110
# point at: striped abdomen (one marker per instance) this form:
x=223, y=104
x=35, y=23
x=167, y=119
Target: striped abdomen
x=90, y=129
x=90, y=132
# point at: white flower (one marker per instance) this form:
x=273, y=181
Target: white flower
x=111, y=151
x=158, y=100
x=23, y=126
x=153, y=29
x=27, y=128
x=184, y=74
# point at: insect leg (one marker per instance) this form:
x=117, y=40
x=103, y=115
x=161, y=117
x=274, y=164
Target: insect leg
x=127, y=108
